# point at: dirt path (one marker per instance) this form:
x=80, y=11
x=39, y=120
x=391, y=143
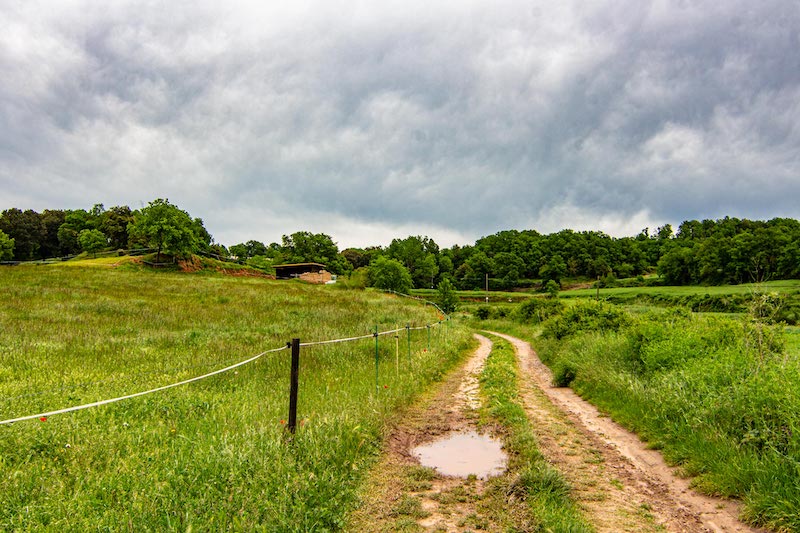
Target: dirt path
x=617, y=480
x=404, y=496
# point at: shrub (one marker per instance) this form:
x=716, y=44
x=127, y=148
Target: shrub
x=482, y=312
x=586, y=316
x=536, y=310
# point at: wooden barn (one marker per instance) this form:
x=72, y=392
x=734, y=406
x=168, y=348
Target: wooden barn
x=310, y=272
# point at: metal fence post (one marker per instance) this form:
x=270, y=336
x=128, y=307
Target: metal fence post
x=377, y=388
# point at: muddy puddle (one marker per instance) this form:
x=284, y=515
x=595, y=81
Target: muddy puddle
x=464, y=454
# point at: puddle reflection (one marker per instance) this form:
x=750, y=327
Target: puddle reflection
x=462, y=454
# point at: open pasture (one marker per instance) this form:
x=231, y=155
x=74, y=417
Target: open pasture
x=213, y=454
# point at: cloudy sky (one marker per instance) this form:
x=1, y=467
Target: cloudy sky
x=373, y=120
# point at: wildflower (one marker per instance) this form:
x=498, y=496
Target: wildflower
x=386, y=386
x=283, y=421
x=43, y=418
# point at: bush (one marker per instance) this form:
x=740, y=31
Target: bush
x=586, y=316
x=536, y=310
x=482, y=312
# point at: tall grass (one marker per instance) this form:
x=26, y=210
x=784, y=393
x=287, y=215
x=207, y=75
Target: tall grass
x=719, y=396
x=214, y=454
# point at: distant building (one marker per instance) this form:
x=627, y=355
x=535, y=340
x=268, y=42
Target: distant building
x=310, y=272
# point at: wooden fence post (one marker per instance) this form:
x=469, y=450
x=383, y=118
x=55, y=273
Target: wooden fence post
x=293, y=385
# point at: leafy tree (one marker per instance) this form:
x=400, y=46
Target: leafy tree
x=92, y=240
x=27, y=230
x=114, y=224
x=448, y=299
x=239, y=251
x=475, y=269
x=551, y=288
x=165, y=227
x=75, y=221
x=307, y=247
x=52, y=220
x=389, y=274
x=6, y=247
x=418, y=254
x=509, y=266
x=203, y=236
x=678, y=266
x=554, y=270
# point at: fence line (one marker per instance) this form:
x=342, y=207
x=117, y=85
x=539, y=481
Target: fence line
x=142, y=393
x=374, y=335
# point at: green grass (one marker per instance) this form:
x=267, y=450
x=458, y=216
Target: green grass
x=211, y=455
x=544, y=489
x=718, y=396
x=782, y=286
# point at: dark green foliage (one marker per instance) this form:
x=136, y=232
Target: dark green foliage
x=114, y=224
x=551, y=288
x=483, y=312
x=448, y=299
x=418, y=255
x=307, y=247
x=586, y=316
x=389, y=275
x=537, y=310
x=564, y=373
x=27, y=230
x=167, y=228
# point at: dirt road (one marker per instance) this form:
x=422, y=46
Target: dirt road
x=617, y=482
x=614, y=474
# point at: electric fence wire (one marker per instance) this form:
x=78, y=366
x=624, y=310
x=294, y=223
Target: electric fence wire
x=231, y=367
x=142, y=393
x=115, y=379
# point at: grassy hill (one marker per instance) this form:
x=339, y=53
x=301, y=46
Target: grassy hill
x=212, y=454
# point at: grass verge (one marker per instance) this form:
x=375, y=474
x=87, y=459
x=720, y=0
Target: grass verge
x=544, y=489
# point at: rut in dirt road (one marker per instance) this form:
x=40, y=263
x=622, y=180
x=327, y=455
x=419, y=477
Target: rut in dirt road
x=616, y=479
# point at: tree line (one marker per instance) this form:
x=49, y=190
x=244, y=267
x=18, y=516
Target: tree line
x=728, y=250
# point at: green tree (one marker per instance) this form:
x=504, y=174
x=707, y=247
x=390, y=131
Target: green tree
x=92, y=240
x=27, y=230
x=165, y=227
x=554, y=269
x=52, y=220
x=552, y=288
x=6, y=247
x=509, y=266
x=114, y=224
x=390, y=275
x=448, y=299
x=75, y=221
x=307, y=247
x=418, y=254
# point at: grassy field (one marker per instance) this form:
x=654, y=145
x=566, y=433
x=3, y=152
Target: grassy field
x=210, y=455
x=718, y=395
x=782, y=286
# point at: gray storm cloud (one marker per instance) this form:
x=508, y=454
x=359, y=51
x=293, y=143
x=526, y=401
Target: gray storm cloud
x=369, y=121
